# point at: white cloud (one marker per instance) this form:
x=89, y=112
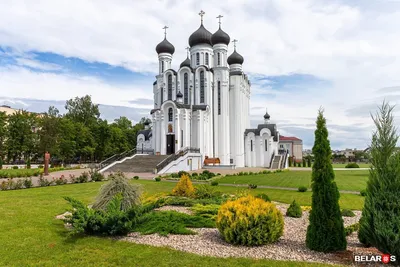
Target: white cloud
x=353, y=46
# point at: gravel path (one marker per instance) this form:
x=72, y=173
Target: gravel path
x=291, y=245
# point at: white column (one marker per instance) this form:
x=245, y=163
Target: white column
x=163, y=125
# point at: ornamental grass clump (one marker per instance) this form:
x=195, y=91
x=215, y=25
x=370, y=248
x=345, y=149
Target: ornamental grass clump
x=249, y=221
x=184, y=187
x=118, y=184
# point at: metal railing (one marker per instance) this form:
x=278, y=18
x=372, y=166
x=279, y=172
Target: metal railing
x=175, y=156
x=115, y=158
x=283, y=158
x=272, y=160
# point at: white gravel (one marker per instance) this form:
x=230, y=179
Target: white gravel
x=291, y=246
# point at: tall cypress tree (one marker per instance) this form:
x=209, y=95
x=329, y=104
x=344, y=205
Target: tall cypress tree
x=326, y=231
x=380, y=220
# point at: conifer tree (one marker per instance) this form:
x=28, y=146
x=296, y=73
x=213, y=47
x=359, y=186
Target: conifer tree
x=326, y=231
x=380, y=220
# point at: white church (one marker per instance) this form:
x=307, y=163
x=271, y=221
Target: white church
x=205, y=105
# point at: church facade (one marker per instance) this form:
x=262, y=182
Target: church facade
x=205, y=105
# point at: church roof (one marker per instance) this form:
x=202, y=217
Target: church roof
x=271, y=127
x=288, y=138
x=165, y=47
x=185, y=63
x=220, y=37
x=147, y=134
x=235, y=58
x=200, y=36
x=267, y=116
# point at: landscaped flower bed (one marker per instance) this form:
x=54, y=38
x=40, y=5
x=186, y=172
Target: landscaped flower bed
x=19, y=173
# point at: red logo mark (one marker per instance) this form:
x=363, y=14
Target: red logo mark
x=385, y=258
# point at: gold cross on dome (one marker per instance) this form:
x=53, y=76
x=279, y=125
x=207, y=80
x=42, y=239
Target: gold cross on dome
x=219, y=19
x=165, y=31
x=201, y=15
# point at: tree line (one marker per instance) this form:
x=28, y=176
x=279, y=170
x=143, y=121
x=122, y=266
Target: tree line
x=80, y=135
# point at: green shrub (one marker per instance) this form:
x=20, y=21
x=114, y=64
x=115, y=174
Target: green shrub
x=174, y=175
x=290, y=162
x=249, y=221
x=302, y=189
x=294, y=210
x=40, y=167
x=4, y=185
x=205, y=191
x=15, y=167
x=363, y=192
x=352, y=165
x=195, y=174
x=118, y=184
x=351, y=228
x=28, y=183
x=252, y=186
x=136, y=177
x=83, y=178
x=60, y=181
x=214, y=183
x=218, y=174
x=110, y=221
x=170, y=222
x=380, y=220
x=157, y=179
x=19, y=184
x=208, y=211
x=325, y=233
x=304, y=163
x=309, y=162
x=347, y=213
x=44, y=182
x=184, y=187
x=1, y=163
x=180, y=173
x=263, y=196
x=28, y=164
x=96, y=176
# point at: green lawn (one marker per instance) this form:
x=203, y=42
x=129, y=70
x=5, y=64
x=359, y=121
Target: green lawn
x=351, y=180
x=343, y=165
x=31, y=236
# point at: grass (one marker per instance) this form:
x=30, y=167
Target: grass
x=171, y=222
x=31, y=236
x=343, y=165
x=351, y=180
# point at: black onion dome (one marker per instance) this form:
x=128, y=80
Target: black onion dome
x=220, y=37
x=235, y=58
x=185, y=63
x=147, y=122
x=267, y=116
x=201, y=36
x=165, y=47
x=179, y=94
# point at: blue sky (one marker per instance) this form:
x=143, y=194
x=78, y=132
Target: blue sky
x=300, y=55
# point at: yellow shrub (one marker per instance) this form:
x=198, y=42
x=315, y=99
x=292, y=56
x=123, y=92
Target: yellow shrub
x=184, y=187
x=250, y=221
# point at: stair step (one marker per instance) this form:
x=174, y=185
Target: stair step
x=139, y=164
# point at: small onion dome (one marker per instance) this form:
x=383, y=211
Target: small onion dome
x=267, y=116
x=179, y=95
x=165, y=47
x=235, y=58
x=147, y=122
x=201, y=36
x=220, y=37
x=185, y=63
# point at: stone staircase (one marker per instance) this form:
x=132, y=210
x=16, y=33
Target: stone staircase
x=138, y=164
x=276, y=162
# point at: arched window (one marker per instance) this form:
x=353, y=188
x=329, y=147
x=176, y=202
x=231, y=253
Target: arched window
x=266, y=145
x=251, y=144
x=162, y=66
x=202, y=86
x=170, y=87
x=219, y=59
x=198, y=58
x=162, y=95
x=219, y=98
x=206, y=58
x=170, y=114
x=186, y=88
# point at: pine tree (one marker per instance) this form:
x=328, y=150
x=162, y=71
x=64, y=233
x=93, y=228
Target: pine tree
x=326, y=231
x=380, y=220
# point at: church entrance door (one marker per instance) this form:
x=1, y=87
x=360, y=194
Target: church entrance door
x=170, y=144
